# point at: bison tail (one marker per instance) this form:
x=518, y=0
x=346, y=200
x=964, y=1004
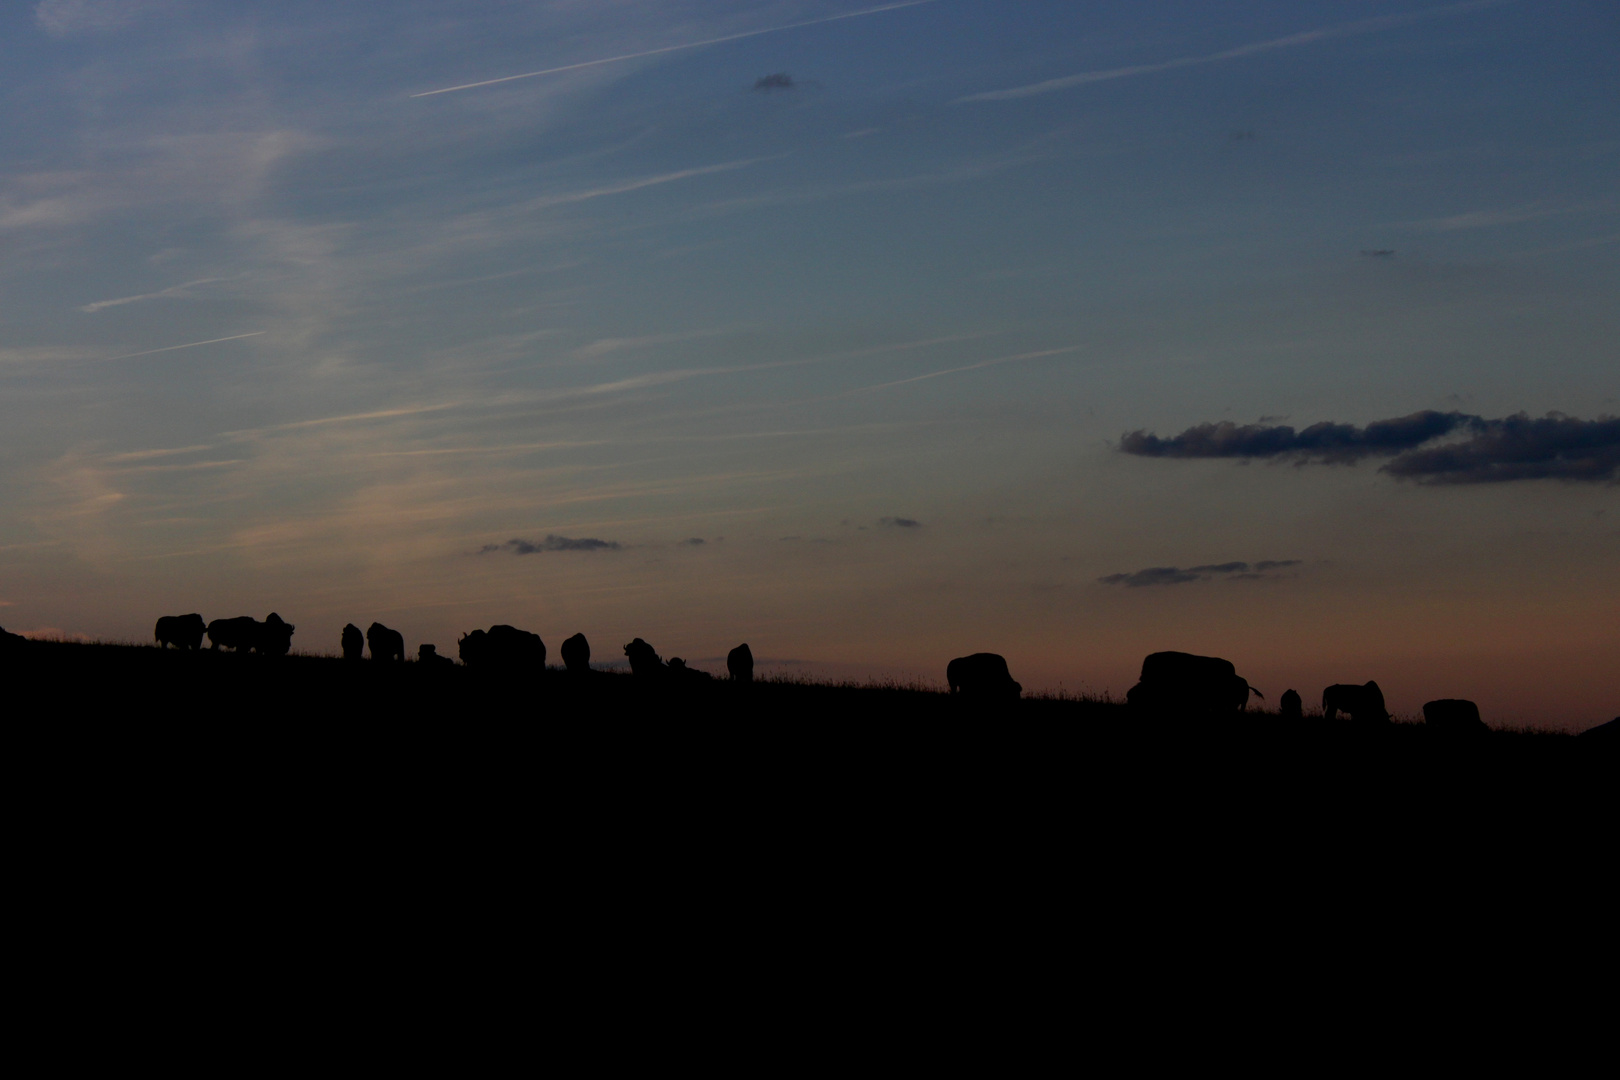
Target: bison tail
x=1257, y=693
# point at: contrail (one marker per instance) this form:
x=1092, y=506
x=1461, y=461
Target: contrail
x=189, y=345
x=173, y=290
x=969, y=367
x=677, y=48
x=1307, y=37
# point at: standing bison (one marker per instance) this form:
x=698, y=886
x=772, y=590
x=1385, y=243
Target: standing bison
x=273, y=637
x=1453, y=716
x=1364, y=703
x=740, y=662
x=1177, y=684
x=354, y=643
x=181, y=631
x=576, y=655
x=982, y=677
x=644, y=659
x=1291, y=705
x=503, y=648
x=385, y=644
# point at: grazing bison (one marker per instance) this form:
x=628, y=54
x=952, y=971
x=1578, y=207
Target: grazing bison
x=385, y=644
x=273, y=637
x=982, y=677
x=1453, y=716
x=181, y=631
x=1363, y=703
x=1291, y=705
x=1181, y=684
x=576, y=655
x=354, y=643
x=740, y=662
x=504, y=648
x=644, y=661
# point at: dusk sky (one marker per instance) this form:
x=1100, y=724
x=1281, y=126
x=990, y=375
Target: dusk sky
x=871, y=335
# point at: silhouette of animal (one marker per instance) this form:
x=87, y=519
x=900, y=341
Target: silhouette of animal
x=678, y=669
x=644, y=661
x=1454, y=716
x=740, y=662
x=504, y=648
x=1291, y=705
x=385, y=644
x=354, y=643
x=1181, y=684
x=181, y=631
x=982, y=677
x=273, y=637
x=428, y=656
x=1363, y=703
x=1604, y=734
x=576, y=655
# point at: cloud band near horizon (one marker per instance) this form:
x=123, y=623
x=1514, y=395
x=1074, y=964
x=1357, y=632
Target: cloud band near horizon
x=1554, y=447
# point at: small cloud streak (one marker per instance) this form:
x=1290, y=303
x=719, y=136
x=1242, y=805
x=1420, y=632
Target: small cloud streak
x=1241, y=52
x=552, y=542
x=1555, y=447
x=173, y=290
x=1175, y=575
x=900, y=523
x=765, y=84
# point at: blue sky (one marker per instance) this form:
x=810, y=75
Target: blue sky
x=280, y=329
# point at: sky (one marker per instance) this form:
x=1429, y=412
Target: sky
x=869, y=334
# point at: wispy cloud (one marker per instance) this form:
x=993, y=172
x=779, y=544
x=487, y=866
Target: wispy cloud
x=171, y=291
x=644, y=182
x=1241, y=52
x=552, y=542
x=1039, y=354
x=188, y=345
x=1175, y=575
x=1486, y=219
x=674, y=48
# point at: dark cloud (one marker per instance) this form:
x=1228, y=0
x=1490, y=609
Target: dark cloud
x=900, y=523
x=693, y=541
x=781, y=80
x=552, y=542
x=1556, y=447
x=1175, y=575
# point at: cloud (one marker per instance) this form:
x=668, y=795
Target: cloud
x=1319, y=442
x=552, y=542
x=900, y=523
x=1555, y=447
x=1241, y=52
x=695, y=541
x=173, y=290
x=188, y=345
x=1175, y=575
x=62, y=17
x=779, y=81
x=674, y=48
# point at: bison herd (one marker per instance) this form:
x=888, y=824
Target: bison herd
x=1172, y=684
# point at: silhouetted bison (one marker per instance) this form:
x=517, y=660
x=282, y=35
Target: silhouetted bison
x=1454, y=716
x=1181, y=684
x=181, y=631
x=1363, y=703
x=273, y=637
x=428, y=656
x=1291, y=705
x=982, y=677
x=385, y=644
x=503, y=647
x=576, y=655
x=643, y=660
x=740, y=662
x=1604, y=734
x=679, y=670
x=354, y=643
